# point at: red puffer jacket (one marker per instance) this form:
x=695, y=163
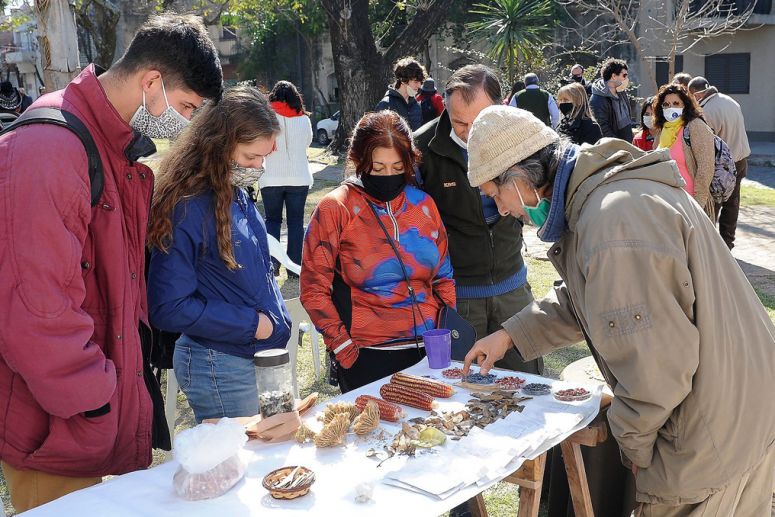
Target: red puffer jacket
x=72, y=291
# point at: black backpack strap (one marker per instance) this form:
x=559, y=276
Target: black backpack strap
x=67, y=120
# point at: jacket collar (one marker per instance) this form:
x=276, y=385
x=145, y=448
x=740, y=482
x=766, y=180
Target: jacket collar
x=392, y=92
x=709, y=93
x=614, y=160
x=556, y=223
x=442, y=144
x=86, y=95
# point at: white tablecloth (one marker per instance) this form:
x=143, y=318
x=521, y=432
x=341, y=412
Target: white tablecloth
x=339, y=470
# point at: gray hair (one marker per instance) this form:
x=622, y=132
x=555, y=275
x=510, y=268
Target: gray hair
x=472, y=78
x=540, y=168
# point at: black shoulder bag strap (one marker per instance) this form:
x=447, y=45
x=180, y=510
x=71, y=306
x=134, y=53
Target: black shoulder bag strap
x=403, y=270
x=62, y=118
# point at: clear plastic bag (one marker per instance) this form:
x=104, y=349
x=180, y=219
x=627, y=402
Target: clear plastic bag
x=209, y=459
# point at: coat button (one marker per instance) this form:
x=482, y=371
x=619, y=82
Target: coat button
x=85, y=265
x=129, y=176
x=557, y=251
x=611, y=324
x=134, y=275
x=139, y=373
x=119, y=336
x=686, y=284
x=637, y=317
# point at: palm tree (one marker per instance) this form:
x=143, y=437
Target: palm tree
x=514, y=28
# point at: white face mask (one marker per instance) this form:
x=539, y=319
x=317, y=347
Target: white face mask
x=458, y=140
x=167, y=125
x=672, y=114
x=411, y=92
x=648, y=121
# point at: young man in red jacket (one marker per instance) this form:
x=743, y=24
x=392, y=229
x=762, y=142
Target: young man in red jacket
x=75, y=393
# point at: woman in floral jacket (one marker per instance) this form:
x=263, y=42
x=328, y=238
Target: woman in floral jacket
x=352, y=284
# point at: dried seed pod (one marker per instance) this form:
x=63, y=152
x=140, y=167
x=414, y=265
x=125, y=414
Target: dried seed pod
x=368, y=420
x=304, y=434
x=333, y=433
x=406, y=395
x=423, y=385
x=339, y=407
x=387, y=410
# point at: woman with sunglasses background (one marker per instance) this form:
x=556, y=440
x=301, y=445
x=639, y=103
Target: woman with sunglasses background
x=679, y=126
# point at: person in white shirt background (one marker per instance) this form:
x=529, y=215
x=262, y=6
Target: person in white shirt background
x=287, y=177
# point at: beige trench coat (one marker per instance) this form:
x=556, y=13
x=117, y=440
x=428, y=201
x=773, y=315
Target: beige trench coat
x=675, y=326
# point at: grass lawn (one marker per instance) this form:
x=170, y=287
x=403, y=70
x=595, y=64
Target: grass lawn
x=750, y=195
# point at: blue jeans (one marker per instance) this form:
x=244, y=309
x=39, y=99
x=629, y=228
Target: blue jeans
x=293, y=198
x=216, y=384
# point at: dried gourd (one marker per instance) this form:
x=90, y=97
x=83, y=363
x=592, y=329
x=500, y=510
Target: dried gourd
x=368, y=420
x=333, y=432
x=339, y=407
x=304, y=434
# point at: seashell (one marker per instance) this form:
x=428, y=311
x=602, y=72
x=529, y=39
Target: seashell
x=333, y=432
x=368, y=420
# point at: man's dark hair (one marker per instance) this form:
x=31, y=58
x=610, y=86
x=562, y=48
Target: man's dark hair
x=698, y=84
x=285, y=91
x=472, y=78
x=682, y=78
x=408, y=69
x=179, y=47
x=612, y=66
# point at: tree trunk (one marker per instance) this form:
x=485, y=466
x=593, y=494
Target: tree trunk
x=58, y=39
x=362, y=72
x=99, y=20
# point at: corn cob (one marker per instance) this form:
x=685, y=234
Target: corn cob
x=388, y=411
x=407, y=396
x=423, y=385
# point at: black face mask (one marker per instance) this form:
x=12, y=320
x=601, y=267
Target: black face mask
x=578, y=78
x=565, y=107
x=384, y=188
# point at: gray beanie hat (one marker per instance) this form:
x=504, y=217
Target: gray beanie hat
x=502, y=136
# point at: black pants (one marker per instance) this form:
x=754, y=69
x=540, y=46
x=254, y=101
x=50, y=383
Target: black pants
x=373, y=365
x=727, y=212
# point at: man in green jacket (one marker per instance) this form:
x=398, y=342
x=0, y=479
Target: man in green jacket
x=672, y=321
x=485, y=247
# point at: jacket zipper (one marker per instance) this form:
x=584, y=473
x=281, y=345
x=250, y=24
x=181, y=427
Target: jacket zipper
x=396, y=236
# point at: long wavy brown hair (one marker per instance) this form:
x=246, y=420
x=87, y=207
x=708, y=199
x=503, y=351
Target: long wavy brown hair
x=200, y=161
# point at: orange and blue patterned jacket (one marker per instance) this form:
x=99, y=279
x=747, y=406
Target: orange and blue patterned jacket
x=344, y=237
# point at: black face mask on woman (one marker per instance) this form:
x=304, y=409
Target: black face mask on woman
x=384, y=188
x=566, y=108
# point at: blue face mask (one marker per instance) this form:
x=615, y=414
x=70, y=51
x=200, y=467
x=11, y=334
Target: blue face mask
x=537, y=214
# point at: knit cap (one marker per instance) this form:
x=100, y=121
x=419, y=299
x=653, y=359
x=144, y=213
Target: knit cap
x=502, y=136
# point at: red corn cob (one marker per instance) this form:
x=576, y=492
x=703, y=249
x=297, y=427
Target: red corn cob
x=407, y=396
x=423, y=385
x=387, y=410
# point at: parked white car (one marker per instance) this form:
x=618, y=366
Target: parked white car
x=326, y=129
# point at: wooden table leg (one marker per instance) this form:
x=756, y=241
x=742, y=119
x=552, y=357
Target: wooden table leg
x=477, y=507
x=577, y=479
x=530, y=495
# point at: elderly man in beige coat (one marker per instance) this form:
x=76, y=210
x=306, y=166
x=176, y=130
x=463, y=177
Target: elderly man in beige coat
x=724, y=115
x=676, y=328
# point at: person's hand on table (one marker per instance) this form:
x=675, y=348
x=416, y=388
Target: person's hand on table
x=265, y=326
x=488, y=350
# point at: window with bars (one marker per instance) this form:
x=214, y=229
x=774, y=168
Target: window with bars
x=663, y=70
x=730, y=73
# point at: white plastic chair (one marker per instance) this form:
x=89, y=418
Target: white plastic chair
x=298, y=317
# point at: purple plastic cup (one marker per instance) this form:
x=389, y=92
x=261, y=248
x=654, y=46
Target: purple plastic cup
x=438, y=348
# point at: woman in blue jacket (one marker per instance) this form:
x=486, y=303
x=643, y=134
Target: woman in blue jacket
x=210, y=275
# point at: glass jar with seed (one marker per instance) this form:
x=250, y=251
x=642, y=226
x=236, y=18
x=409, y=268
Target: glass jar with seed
x=275, y=382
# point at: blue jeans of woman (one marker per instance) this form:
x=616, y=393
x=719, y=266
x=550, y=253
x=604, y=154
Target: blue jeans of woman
x=216, y=384
x=293, y=198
